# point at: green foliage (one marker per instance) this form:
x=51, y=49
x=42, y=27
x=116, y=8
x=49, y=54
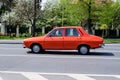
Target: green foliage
x=3, y=8
x=107, y=13
x=4, y=37
x=116, y=17
x=112, y=41
x=9, y=18
x=74, y=12
x=65, y=13
x=24, y=10
x=50, y=15
x=25, y=35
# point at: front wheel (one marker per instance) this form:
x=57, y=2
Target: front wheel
x=36, y=48
x=83, y=50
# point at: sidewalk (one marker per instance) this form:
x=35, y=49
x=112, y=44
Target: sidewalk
x=11, y=41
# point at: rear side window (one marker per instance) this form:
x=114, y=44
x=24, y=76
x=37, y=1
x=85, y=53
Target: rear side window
x=71, y=32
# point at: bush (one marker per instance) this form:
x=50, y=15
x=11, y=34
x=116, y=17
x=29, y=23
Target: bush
x=25, y=35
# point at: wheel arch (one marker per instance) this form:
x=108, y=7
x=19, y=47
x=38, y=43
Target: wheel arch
x=83, y=45
x=35, y=44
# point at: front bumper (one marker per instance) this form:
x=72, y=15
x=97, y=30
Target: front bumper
x=102, y=45
x=23, y=46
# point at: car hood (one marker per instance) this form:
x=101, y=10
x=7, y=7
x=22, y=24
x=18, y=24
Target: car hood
x=40, y=38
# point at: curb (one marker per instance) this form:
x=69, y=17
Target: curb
x=11, y=41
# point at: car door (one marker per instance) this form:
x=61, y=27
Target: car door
x=71, y=38
x=54, y=40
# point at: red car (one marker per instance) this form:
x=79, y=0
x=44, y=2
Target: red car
x=64, y=38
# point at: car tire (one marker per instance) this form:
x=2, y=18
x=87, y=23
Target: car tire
x=83, y=50
x=36, y=48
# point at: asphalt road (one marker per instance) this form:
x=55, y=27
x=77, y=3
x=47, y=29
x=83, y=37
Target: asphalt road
x=17, y=63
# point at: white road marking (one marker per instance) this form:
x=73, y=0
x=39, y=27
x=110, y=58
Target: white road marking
x=33, y=76
x=37, y=75
x=80, y=77
x=117, y=76
x=1, y=78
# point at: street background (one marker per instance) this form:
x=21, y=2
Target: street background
x=19, y=63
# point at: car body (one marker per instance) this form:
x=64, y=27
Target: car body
x=64, y=38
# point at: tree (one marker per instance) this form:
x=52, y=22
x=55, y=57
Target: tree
x=80, y=12
x=3, y=8
x=23, y=12
x=106, y=14
x=64, y=13
x=13, y=20
x=49, y=16
x=116, y=17
x=29, y=11
x=74, y=13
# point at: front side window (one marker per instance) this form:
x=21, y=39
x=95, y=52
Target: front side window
x=57, y=32
x=71, y=32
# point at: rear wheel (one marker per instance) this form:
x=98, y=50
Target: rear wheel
x=83, y=50
x=36, y=48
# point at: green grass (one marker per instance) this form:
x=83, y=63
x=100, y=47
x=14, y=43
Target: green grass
x=11, y=38
x=111, y=40
x=4, y=37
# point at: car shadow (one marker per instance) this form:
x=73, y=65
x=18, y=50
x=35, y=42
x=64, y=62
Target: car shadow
x=74, y=53
x=101, y=54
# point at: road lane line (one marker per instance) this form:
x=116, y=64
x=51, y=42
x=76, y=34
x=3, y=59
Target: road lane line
x=1, y=78
x=33, y=76
x=80, y=77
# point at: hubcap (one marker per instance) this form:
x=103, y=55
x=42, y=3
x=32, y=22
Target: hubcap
x=36, y=48
x=83, y=50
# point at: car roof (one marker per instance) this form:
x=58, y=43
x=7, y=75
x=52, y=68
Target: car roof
x=68, y=27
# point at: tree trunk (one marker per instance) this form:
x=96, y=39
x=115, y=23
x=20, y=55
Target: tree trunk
x=34, y=19
x=2, y=26
x=17, y=31
x=117, y=32
x=43, y=30
x=30, y=30
x=103, y=33
x=89, y=18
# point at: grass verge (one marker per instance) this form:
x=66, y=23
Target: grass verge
x=11, y=38
x=111, y=40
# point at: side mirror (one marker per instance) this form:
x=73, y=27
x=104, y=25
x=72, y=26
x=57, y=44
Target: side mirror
x=51, y=35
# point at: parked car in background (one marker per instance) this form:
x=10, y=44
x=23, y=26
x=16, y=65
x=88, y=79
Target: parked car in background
x=64, y=38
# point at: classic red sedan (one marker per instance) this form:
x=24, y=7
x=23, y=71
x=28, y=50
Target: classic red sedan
x=64, y=38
